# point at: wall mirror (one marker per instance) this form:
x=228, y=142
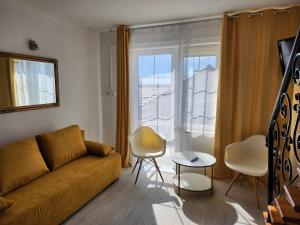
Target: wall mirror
x=27, y=82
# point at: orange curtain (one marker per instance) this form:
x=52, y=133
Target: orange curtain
x=13, y=82
x=122, y=129
x=250, y=75
x=7, y=83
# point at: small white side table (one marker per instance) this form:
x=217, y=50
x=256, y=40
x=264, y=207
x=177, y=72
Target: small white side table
x=193, y=181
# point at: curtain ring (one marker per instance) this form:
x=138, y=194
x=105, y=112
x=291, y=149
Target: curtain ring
x=255, y=14
x=279, y=12
x=233, y=17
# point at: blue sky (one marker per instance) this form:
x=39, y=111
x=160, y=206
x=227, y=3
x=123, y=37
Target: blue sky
x=155, y=64
x=150, y=65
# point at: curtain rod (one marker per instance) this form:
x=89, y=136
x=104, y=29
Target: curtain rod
x=260, y=13
x=172, y=22
x=233, y=14
x=254, y=11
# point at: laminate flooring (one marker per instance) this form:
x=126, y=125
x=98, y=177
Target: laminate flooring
x=151, y=202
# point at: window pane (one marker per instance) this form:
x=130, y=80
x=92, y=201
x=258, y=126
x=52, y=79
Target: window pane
x=156, y=93
x=200, y=94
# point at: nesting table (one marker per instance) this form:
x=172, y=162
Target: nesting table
x=192, y=181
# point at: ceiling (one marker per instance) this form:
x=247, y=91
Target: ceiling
x=102, y=14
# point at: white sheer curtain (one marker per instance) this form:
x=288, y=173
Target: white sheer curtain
x=174, y=71
x=34, y=82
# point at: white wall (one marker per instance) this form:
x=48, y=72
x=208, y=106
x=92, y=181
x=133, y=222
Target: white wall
x=107, y=40
x=77, y=51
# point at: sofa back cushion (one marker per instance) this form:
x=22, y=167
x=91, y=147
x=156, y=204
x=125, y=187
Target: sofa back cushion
x=20, y=163
x=62, y=146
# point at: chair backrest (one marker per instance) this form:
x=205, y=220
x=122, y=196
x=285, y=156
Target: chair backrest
x=146, y=139
x=254, y=147
x=256, y=144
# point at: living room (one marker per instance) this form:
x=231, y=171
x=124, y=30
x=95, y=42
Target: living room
x=149, y=112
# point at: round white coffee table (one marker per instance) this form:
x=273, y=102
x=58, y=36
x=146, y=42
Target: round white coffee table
x=193, y=181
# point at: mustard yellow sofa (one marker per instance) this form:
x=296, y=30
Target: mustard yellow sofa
x=46, y=179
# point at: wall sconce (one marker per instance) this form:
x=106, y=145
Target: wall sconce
x=33, y=45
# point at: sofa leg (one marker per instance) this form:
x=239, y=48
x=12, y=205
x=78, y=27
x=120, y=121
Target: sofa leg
x=232, y=182
x=138, y=173
x=137, y=161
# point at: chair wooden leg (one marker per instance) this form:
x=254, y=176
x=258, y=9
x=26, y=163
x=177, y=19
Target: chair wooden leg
x=264, y=180
x=232, y=182
x=242, y=179
x=255, y=181
x=137, y=161
x=138, y=173
x=158, y=169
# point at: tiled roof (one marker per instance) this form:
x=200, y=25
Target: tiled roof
x=150, y=92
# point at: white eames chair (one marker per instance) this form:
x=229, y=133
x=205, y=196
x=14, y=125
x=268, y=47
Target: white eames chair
x=248, y=158
x=146, y=144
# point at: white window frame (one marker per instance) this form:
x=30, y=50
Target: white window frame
x=177, y=52
x=135, y=54
x=215, y=47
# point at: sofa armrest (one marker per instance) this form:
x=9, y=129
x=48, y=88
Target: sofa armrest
x=97, y=148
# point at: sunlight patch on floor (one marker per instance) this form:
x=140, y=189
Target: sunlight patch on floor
x=166, y=214
x=243, y=216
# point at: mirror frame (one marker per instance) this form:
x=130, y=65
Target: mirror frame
x=38, y=59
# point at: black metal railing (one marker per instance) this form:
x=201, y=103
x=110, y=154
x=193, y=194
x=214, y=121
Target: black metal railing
x=283, y=136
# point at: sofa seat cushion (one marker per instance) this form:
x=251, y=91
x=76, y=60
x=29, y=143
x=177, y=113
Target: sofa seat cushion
x=62, y=146
x=20, y=163
x=52, y=198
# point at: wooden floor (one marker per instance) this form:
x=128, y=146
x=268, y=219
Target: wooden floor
x=150, y=202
